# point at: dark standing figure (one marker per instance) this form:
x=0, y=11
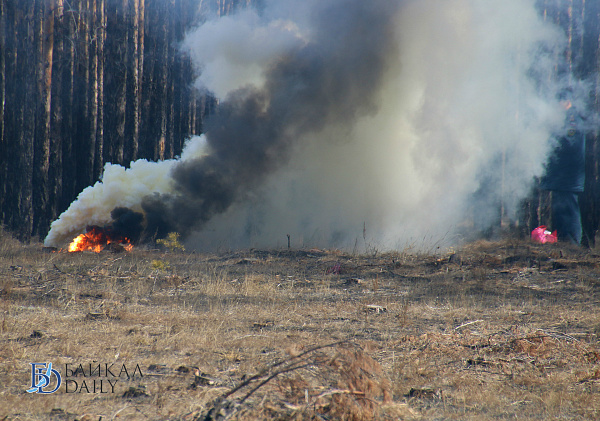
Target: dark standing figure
x=565, y=176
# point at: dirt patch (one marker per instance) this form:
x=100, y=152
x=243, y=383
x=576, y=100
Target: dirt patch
x=494, y=330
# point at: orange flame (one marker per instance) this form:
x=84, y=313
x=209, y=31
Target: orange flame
x=96, y=239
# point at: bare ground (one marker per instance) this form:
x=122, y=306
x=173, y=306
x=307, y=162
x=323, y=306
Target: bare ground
x=495, y=330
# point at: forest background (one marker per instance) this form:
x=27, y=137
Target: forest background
x=86, y=82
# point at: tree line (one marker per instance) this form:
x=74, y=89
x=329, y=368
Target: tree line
x=85, y=82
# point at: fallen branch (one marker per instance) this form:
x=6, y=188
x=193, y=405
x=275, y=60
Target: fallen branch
x=467, y=324
x=352, y=380
x=272, y=376
x=268, y=369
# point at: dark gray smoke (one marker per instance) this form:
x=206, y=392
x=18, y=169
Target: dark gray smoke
x=332, y=79
x=126, y=223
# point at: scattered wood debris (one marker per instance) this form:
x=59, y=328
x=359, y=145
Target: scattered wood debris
x=373, y=308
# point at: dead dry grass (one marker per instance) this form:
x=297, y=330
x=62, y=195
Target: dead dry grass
x=496, y=330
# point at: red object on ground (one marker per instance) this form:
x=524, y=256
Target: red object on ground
x=543, y=236
x=335, y=269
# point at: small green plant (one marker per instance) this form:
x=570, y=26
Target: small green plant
x=171, y=242
x=160, y=265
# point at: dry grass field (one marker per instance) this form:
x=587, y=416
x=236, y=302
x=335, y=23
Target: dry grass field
x=502, y=330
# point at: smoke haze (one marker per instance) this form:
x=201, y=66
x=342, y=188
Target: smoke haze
x=343, y=121
x=461, y=86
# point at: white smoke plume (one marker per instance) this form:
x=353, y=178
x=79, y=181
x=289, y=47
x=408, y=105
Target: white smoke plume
x=119, y=187
x=345, y=122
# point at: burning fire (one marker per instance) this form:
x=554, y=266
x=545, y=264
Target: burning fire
x=96, y=239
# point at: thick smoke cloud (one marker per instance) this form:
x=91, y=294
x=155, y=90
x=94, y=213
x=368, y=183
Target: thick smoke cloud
x=314, y=77
x=460, y=113
x=345, y=122
x=119, y=188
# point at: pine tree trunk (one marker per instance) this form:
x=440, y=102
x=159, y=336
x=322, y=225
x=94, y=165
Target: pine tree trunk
x=95, y=161
x=97, y=81
x=119, y=154
x=101, y=37
x=135, y=66
x=44, y=47
x=172, y=99
x=14, y=16
x=69, y=129
x=84, y=145
x=29, y=45
x=55, y=176
x=140, y=67
x=163, y=89
x=3, y=148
